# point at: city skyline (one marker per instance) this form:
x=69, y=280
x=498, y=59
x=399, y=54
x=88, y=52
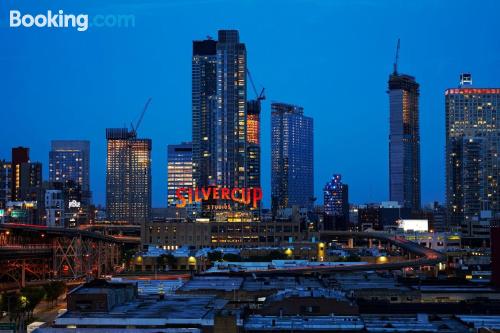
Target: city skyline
x=364, y=186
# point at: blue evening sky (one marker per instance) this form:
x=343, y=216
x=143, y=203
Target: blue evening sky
x=331, y=57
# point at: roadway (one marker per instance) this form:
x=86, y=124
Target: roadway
x=426, y=257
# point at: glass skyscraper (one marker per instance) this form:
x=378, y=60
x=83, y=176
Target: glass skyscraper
x=69, y=163
x=219, y=114
x=404, y=141
x=472, y=159
x=230, y=117
x=292, y=179
x=128, y=177
x=204, y=104
x=179, y=169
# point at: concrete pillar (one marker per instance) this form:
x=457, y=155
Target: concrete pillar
x=350, y=243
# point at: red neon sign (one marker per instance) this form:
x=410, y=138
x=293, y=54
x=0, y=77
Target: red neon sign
x=247, y=196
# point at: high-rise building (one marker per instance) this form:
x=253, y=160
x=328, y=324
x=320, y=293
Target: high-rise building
x=26, y=175
x=292, y=179
x=230, y=131
x=69, y=163
x=336, y=197
x=253, y=143
x=5, y=183
x=204, y=105
x=20, y=155
x=179, y=169
x=336, y=204
x=128, y=176
x=404, y=140
x=219, y=115
x=472, y=158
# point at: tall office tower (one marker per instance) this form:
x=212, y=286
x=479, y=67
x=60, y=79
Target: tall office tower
x=69, y=163
x=404, y=140
x=128, y=177
x=230, y=115
x=472, y=159
x=292, y=180
x=5, y=183
x=253, y=143
x=204, y=105
x=179, y=169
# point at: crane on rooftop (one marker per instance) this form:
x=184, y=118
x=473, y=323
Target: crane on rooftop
x=136, y=127
x=396, y=58
x=261, y=96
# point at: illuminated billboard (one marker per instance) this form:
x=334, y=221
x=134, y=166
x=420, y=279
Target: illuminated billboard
x=246, y=196
x=414, y=225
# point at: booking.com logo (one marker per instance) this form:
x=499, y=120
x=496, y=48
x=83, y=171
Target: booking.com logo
x=59, y=19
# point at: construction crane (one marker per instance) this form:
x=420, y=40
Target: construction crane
x=396, y=58
x=261, y=96
x=136, y=127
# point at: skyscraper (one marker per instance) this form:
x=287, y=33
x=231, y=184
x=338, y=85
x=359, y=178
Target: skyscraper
x=204, y=104
x=292, y=180
x=404, y=140
x=253, y=143
x=219, y=114
x=472, y=159
x=230, y=115
x=179, y=169
x=128, y=176
x=69, y=163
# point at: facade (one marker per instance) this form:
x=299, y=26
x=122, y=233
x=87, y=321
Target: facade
x=336, y=199
x=472, y=159
x=5, y=183
x=54, y=208
x=179, y=169
x=204, y=104
x=219, y=116
x=230, y=135
x=404, y=141
x=69, y=163
x=128, y=177
x=20, y=155
x=292, y=180
x=336, y=203
x=253, y=144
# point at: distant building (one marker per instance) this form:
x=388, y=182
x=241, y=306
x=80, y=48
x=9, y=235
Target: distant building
x=179, y=169
x=292, y=177
x=472, y=159
x=404, y=141
x=54, y=208
x=26, y=175
x=5, y=183
x=383, y=215
x=336, y=204
x=69, y=163
x=128, y=177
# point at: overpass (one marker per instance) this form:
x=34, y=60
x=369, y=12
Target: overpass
x=34, y=253
x=423, y=257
